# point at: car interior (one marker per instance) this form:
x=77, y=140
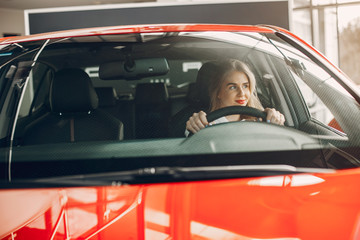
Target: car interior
x=141, y=90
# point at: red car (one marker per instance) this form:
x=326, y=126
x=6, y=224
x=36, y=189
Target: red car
x=93, y=141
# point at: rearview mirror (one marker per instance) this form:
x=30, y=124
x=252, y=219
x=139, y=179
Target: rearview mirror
x=134, y=70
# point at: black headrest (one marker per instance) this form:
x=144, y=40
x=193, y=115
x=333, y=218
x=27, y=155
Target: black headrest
x=151, y=93
x=72, y=91
x=198, y=92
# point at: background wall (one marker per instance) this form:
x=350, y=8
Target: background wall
x=12, y=11
x=11, y=21
x=235, y=12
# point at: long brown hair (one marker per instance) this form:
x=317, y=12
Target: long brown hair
x=225, y=67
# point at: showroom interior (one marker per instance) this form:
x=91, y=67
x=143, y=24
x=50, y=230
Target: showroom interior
x=332, y=26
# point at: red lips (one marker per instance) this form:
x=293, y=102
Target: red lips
x=241, y=102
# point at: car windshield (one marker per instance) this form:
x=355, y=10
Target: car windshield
x=110, y=103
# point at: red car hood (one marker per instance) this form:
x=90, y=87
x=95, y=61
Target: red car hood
x=303, y=206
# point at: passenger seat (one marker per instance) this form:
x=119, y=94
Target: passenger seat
x=152, y=110
x=74, y=114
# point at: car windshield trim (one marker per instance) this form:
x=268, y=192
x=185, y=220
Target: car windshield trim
x=169, y=174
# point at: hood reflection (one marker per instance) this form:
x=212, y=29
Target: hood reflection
x=284, y=181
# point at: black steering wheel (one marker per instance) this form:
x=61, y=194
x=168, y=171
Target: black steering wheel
x=242, y=110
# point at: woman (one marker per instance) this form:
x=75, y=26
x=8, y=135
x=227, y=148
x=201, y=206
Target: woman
x=233, y=85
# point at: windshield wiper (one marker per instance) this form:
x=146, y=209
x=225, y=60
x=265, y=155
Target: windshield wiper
x=169, y=174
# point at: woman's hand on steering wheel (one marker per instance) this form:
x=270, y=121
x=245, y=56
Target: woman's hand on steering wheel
x=197, y=122
x=200, y=120
x=274, y=116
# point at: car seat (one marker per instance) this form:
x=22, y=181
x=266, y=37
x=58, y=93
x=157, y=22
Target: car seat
x=74, y=115
x=152, y=110
x=197, y=98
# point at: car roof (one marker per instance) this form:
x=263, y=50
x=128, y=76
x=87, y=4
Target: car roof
x=136, y=29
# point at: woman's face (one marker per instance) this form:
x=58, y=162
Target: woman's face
x=234, y=90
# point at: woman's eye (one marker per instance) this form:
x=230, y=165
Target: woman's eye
x=232, y=87
x=245, y=85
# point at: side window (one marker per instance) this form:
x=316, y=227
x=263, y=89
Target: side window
x=36, y=93
x=43, y=76
x=317, y=108
x=316, y=85
x=4, y=82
